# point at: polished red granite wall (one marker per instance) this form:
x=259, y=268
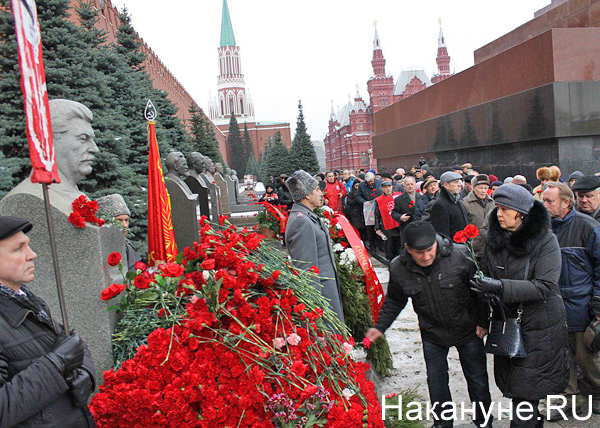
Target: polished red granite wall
x=571, y=14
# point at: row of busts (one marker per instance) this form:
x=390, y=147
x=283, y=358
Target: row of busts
x=179, y=167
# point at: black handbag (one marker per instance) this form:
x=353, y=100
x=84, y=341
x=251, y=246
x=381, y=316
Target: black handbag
x=505, y=337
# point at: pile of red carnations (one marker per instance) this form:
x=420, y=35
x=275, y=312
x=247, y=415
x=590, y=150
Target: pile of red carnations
x=252, y=347
x=84, y=211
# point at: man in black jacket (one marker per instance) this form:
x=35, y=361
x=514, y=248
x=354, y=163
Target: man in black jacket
x=435, y=274
x=405, y=204
x=448, y=215
x=46, y=377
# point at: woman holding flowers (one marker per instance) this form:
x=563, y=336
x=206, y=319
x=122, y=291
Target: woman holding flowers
x=522, y=262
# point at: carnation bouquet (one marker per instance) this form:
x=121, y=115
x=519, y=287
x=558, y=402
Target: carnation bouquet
x=272, y=218
x=244, y=342
x=466, y=236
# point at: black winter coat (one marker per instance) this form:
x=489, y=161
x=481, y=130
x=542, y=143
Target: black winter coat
x=422, y=204
x=448, y=214
x=367, y=192
x=579, y=239
x=354, y=211
x=545, y=369
x=285, y=197
x=34, y=394
x=403, y=204
x=448, y=310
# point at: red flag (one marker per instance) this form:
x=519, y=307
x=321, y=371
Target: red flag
x=161, y=237
x=373, y=287
x=33, y=86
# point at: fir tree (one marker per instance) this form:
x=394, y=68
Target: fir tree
x=235, y=147
x=303, y=152
x=248, y=146
x=278, y=158
x=203, y=136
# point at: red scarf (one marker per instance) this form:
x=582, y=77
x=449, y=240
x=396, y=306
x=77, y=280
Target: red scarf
x=386, y=205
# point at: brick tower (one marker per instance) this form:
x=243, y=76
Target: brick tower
x=232, y=97
x=442, y=59
x=379, y=86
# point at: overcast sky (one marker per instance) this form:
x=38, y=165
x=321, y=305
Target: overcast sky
x=316, y=50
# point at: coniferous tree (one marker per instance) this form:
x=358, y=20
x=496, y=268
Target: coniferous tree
x=278, y=158
x=235, y=147
x=203, y=136
x=262, y=165
x=303, y=152
x=248, y=146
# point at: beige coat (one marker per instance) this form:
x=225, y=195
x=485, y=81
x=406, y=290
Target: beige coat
x=477, y=215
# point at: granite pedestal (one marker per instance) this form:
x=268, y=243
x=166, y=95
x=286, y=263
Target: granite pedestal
x=185, y=213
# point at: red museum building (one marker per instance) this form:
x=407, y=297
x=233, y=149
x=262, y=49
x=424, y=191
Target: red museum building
x=348, y=140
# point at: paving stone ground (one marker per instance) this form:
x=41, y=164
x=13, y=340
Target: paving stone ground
x=405, y=344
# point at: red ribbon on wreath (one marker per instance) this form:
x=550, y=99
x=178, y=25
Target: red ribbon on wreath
x=373, y=287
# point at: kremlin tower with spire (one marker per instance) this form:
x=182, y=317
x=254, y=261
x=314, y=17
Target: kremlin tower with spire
x=351, y=128
x=234, y=99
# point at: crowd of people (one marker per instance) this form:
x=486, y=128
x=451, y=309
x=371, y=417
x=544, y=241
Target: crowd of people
x=537, y=261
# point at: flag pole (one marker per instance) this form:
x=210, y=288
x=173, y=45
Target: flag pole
x=52, y=235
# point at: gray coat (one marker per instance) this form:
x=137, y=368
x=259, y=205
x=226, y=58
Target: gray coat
x=477, y=215
x=307, y=240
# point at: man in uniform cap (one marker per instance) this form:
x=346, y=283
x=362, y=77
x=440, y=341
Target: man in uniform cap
x=46, y=377
x=307, y=238
x=435, y=274
x=588, y=195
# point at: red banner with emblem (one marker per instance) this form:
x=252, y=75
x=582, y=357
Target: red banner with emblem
x=373, y=287
x=33, y=86
x=161, y=236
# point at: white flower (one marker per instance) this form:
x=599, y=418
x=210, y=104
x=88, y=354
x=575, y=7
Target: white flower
x=347, y=393
x=206, y=274
x=338, y=248
x=328, y=209
x=338, y=226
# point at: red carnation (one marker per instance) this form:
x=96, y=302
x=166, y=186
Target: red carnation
x=275, y=275
x=366, y=342
x=208, y=264
x=76, y=220
x=111, y=291
x=460, y=237
x=140, y=266
x=314, y=269
x=114, y=258
x=172, y=269
x=471, y=231
x=142, y=281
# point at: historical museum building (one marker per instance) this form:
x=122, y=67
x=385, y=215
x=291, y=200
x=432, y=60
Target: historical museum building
x=348, y=143
x=234, y=99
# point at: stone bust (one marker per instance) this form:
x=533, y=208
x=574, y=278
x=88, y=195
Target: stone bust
x=75, y=151
x=196, y=162
x=219, y=168
x=177, y=166
x=209, y=168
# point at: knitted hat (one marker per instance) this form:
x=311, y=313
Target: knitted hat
x=514, y=197
x=492, y=178
x=480, y=179
x=496, y=183
x=419, y=235
x=575, y=175
x=425, y=167
x=449, y=176
x=301, y=184
x=113, y=205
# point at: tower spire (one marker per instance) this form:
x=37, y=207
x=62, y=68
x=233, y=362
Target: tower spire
x=442, y=59
x=227, y=37
x=376, y=42
x=441, y=40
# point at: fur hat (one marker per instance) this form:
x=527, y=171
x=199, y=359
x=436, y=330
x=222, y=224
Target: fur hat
x=545, y=173
x=480, y=179
x=301, y=184
x=113, y=205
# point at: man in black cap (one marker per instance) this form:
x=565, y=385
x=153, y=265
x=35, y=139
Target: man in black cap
x=588, y=195
x=46, y=377
x=435, y=274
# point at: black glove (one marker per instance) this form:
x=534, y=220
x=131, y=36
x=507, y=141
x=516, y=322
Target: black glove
x=81, y=387
x=67, y=354
x=487, y=285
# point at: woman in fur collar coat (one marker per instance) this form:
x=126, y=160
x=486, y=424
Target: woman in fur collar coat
x=522, y=262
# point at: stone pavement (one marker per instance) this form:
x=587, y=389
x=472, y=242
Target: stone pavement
x=405, y=343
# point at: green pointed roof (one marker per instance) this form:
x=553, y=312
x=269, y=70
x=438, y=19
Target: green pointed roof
x=227, y=37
